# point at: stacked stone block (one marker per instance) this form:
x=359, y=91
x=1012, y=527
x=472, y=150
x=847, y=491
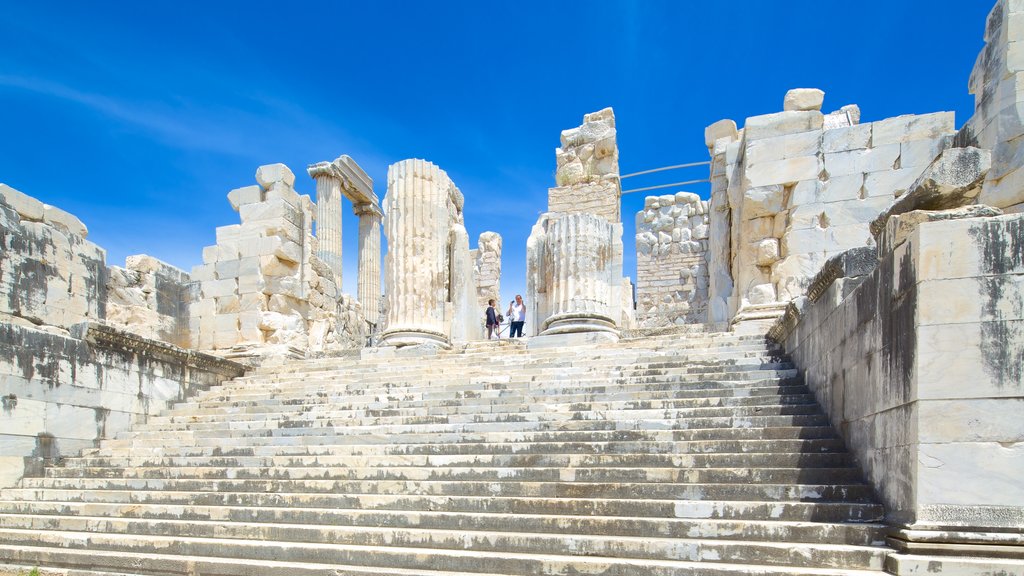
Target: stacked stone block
x=587, y=175
x=50, y=274
x=997, y=83
x=672, y=261
x=262, y=286
x=793, y=191
x=150, y=298
x=487, y=269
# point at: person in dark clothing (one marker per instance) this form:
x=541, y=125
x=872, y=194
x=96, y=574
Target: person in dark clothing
x=492, y=319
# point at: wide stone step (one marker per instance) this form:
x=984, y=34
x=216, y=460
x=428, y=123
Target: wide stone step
x=212, y=471
x=167, y=565
x=603, y=390
x=295, y=483
x=860, y=534
x=569, y=489
x=364, y=544
x=483, y=561
x=340, y=455
x=720, y=509
x=681, y=415
x=413, y=435
x=220, y=400
x=506, y=403
x=339, y=435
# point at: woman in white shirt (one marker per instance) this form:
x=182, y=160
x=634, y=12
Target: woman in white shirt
x=517, y=316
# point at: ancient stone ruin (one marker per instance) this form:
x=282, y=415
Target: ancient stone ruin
x=822, y=371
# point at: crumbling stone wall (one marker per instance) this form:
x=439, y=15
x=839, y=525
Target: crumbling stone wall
x=797, y=187
x=919, y=364
x=61, y=393
x=997, y=83
x=487, y=269
x=149, y=298
x=50, y=275
x=672, y=264
x=587, y=174
x=262, y=290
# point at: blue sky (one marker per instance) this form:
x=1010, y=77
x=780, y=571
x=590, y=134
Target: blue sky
x=140, y=117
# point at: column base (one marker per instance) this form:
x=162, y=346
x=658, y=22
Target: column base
x=575, y=323
x=408, y=337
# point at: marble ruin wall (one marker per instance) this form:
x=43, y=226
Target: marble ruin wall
x=672, y=261
x=150, y=298
x=487, y=269
x=262, y=290
x=50, y=274
x=575, y=283
x=997, y=83
x=587, y=174
x=84, y=349
x=794, y=188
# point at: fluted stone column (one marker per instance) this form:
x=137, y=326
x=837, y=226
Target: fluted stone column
x=417, y=219
x=328, y=216
x=369, y=260
x=579, y=260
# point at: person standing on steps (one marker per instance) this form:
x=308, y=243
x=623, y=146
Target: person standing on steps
x=493, y=320
x=517, y=316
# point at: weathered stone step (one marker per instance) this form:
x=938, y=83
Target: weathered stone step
x=294, y=483
x=572, y=489
x=361, y=545
x=340, y=455
x=324, y=470
x=167, y=565
x=475, y=404
x=219, y=400
x=682, y=415
x=715, y=509
x=860, y=534
x=499, y=386
x=343, y=434
x=410, y=557
x=414, y=436
x=387, y=381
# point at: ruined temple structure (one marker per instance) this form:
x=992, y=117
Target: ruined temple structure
x=822, y=374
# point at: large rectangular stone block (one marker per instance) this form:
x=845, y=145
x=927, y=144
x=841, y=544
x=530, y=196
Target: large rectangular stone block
x=782, y=123
x=789, y=171
x=911, y=127
x=783, y=147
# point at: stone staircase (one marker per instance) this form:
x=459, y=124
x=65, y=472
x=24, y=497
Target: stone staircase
x=668, y=455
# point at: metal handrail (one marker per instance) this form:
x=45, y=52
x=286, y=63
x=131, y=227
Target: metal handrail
x=666, y=186
x=690, y=165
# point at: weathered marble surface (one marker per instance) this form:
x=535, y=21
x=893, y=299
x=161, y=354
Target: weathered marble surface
x=997, y=83
x=587, y=174
x=150, y=298
x=64, y=393
x=487, y=268
x=789, y=191
x=262, y=290
x=430, y=285
x=672, y=261
x=921, y=365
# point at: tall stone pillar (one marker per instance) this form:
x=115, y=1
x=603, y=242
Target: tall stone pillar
x=417, y=220
x=580, y=258
x=328, y=216
x=369, y=260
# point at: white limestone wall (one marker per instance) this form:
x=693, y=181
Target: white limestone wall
x=587, y=174
x=50, y=275
x=997, y=83
x=797, y=187
x=672, y=261
x=149, y=298
x=922, y=369
x=262, y=290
